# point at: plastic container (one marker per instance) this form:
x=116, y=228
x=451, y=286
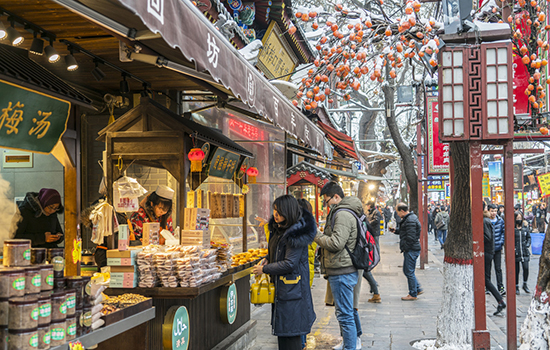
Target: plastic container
x=4, y=312
x=71, y=302
x=44, y=337
x=537, y=239
x=46, y=272
x=59, y=306
x=17, y=252
x=44, y=309
x=22, y=340
x=76, y=283
x=56, y=258
x=38, y=256
x=58, y=331
x=86, y=320
x=22, y=313
x=33, y=280
x=71, y=328
x=12, y=282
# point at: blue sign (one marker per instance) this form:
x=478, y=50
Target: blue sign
x=495, y=171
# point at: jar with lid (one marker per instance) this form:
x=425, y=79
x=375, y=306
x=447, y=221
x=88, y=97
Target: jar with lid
x=38, y=256
x=33, y=280
x=44, y=337
x=86, y=320
x=71, y=328
x=71, y=302
x=76, y=283
x=22, y=313
x=58, y=333
x=59, y=306
x=87, y=291
x=58, y=283
x=56, y=258
x=17, y=252
x=44, y=309
x=46, y=273
x=12, y=282
x=22, y=339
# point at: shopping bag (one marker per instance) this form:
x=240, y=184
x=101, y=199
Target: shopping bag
x=262, y=291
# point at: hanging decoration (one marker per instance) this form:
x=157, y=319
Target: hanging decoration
x=196, y=155
x=252, y=173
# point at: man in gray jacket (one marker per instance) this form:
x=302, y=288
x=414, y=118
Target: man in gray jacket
x=336, y=262
x=442, y=225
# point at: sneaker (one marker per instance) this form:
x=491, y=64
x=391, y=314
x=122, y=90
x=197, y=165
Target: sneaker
x=409, y=298
x=502, y=291
x=358, y=344
x=501, y=306
x=340, y=346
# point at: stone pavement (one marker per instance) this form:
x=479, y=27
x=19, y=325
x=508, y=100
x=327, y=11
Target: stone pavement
x=394, y=323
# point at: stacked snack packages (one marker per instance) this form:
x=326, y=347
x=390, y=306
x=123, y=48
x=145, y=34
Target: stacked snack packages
x=223, y=255
x=147, y=272
x=165, y=265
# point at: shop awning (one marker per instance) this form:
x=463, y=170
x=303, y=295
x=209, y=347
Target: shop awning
x=314, y=174
x=339, y=140
x=182, y=26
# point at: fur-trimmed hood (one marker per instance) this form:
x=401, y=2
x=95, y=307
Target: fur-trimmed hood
x=302, y=233
x=32, y=203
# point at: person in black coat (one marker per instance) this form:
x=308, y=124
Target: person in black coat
x=523, y=242
x=489, y=246
x=292, y=229
x=40, y=224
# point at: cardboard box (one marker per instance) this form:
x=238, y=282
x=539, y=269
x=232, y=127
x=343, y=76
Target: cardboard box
x=150, y=233
x=131, y=253
x=116, y=283
x=123, y=269
x=196, y=237
x=196, y=219
x=123, y=237
x=121, y=262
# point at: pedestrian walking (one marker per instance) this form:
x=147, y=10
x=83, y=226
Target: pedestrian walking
x=291, y=229
x=498, y=226
x=435, y=211
x=336, y=262
x=408, y=230
x=374, y=217
x=442, y=225
x=540, y=216
x=523, y=243
x=489, y=245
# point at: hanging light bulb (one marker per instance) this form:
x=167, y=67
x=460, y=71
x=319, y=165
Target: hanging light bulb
x=14, y=36
x=3, y=32
x=37, y=46
x=71, y=63
x=97, y=72
x=51, y=53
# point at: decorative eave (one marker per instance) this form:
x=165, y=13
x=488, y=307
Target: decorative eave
x=239, y=40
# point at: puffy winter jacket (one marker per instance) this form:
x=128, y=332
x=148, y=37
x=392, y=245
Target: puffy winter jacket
x=523, y=243
x=499, y=233
x=442, y=220
x=409, y=233
x=292, y=312
x=374, y=218
x=335, y=260
x=488, y=234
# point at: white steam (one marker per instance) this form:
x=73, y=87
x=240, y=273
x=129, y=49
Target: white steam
x=535, y=331
x=9, y=213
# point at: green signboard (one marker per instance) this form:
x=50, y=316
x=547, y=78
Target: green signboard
x=223, y=164
x=30, y=120
x=175, y=329
x=228, y=303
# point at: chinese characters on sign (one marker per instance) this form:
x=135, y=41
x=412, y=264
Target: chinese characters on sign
x=275, y=60
x=544, y=184
x=249, y=132
x=437, y=183
x=439, y=152
x=223, y=164
x=30, y=120
x=179, y=327
x=213, y=51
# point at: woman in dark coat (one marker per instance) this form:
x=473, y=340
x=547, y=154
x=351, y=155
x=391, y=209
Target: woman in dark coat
x=292, y=229
x=40, y=223
x=523, y=243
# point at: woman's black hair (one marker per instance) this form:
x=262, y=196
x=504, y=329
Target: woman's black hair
x=304, y=203
x=287, y=206
x=516, y=213
x=153, y=200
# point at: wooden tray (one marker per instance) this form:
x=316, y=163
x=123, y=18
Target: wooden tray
x=127, y=312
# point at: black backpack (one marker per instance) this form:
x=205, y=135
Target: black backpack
x=365, y=255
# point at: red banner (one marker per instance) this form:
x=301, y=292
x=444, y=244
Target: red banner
x=438, y=152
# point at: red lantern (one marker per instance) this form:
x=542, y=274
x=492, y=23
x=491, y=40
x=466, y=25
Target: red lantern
x=252, y=172
x=196, y=155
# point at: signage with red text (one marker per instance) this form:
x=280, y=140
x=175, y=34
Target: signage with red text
x=438, y=152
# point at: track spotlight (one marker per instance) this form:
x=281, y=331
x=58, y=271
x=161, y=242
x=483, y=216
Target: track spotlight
x=14, y=36
x=98, y=73
x=124, y=87
x=37, y=46
x=51, y=53
x=3, y=31
x=71, y=63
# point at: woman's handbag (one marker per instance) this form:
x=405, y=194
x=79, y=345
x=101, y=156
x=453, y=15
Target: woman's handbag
x=262, y=291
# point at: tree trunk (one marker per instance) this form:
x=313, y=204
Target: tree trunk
x=404, y=151
x=534, y=331
x=456, y=316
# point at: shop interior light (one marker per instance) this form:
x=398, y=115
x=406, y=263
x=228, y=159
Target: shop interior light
x=97, y=72
x=124, y=87
x=3, y=31
x=71, y=63
x=14, y=36
x=51, y=53
x=37, y=46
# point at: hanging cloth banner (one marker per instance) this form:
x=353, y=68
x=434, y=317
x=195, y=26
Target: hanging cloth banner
x=30, y=120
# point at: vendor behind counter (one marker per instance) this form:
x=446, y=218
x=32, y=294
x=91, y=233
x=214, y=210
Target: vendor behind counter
x=156, y=207
x=40, y=223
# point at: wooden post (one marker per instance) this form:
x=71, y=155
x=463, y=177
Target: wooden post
x=420, y=195
x=509, y=245
x=481, y=337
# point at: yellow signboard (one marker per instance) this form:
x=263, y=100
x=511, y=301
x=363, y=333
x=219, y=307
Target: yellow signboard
x=544, y=184
x=486, y=187
x=276, y=58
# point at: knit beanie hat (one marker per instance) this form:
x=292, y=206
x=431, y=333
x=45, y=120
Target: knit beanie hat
x=49, y=196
